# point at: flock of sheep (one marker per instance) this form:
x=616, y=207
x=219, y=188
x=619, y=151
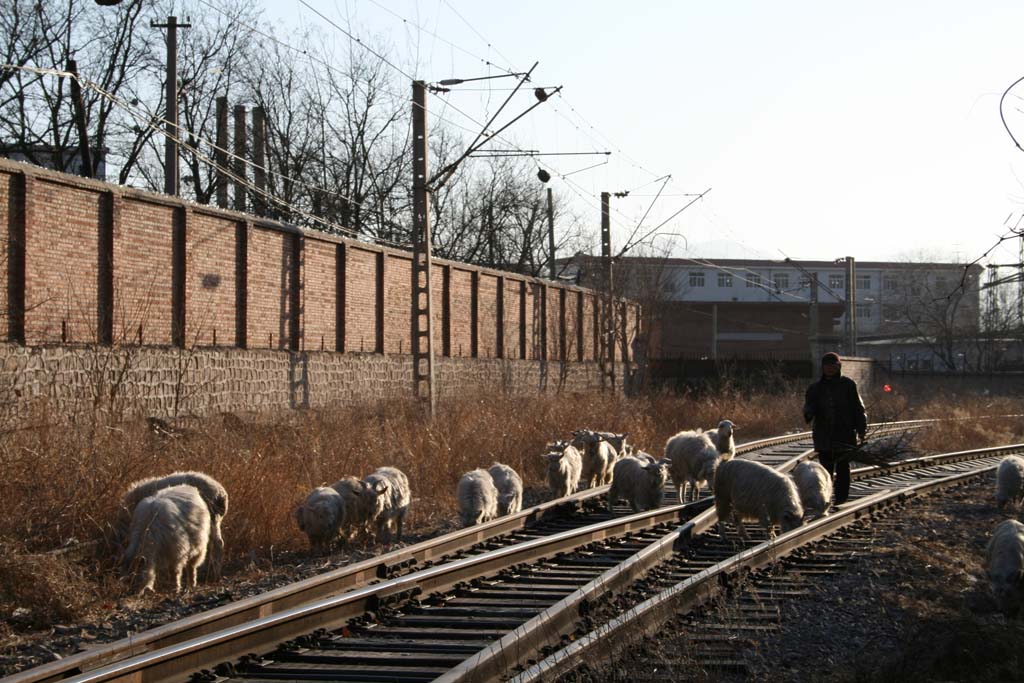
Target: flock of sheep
x=1005, y=552
x=169, y=526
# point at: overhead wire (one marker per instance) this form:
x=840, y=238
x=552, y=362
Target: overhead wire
x=151, y=121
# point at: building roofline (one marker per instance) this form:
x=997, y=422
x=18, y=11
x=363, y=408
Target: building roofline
x=767, y=263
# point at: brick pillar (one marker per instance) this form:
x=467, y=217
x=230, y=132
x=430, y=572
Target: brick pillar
x=522, y=319
x=446, y=311
x=379, y=304
x=178, y=242
x=474, y=314
x=499, y=351
x=563, y=337
x=110, y=210
x=340, y=256
x=242, y=230
x=22, y=209
x=543, y=321
x=579, y=326
x=296, y=294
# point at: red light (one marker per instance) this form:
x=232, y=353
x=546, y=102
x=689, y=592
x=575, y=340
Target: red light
x=887, y=389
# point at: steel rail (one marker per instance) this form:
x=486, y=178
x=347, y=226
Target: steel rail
x=289, y=600
x=324, y=585
x=696, y=589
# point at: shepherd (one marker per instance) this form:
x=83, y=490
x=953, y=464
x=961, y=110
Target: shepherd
x=834, y=407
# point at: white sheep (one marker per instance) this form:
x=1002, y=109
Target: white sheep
x=564, y=467
x=1005, y=565
x=358, y=508
x=723, y=439
x=477, y=498
x=510, y=488
x=320, y=516
x=393, y=496
x=168, y=536
x=213, y=493
x=749, y=490
x=1010, y=481
x=693, y=459
x=598, y=460
x=639, y=483
x=814, y=485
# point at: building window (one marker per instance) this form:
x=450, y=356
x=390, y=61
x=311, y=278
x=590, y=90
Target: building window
x=941, y=286
x=781, y=281
x=835, y=281
x=753, y=280
x=891, y=313
x=696, y=278
x=725, y=279
x=805, y=282
x=863, y=282
x=890, y=283
x=864, y=311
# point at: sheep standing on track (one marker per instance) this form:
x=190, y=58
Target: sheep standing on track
x=391, y=487
x=639, y=483
x=693, y=459
x=564, y=468
x=510, y=488
x=599, y=458
x=814, y=484
x=1005, y=565
x=723, y=439
x=320, y=516
x=168, y=536
x=1010, y=481
x=477, y=497
x=749, y=490
x=213, y=494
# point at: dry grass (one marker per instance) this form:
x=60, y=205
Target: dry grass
x=63, y=484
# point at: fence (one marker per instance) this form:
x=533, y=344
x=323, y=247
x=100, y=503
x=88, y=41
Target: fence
x=89, y=263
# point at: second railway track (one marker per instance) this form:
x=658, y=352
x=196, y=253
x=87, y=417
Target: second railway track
x=435, y=616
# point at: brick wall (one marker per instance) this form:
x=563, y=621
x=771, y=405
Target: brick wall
x=85, y=262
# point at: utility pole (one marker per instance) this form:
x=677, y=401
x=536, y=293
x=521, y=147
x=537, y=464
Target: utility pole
x=240, y=145
x=551, y=236
x=851, y=306
x=608, y=314
x=813, y=331
x=171, y=99
x=259, y=169
x=422, y=339
x=221, y=153
x=84, y=154
x=1020, y=281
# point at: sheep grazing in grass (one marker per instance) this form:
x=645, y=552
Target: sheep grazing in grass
x=693, y=459
x=639, y=483
x=749, y=490
x=391, y=487
x=168, y=536
x=814, y=485
x=723, y=439
x=477, y=497
x=320, y=516
x=564, y=467
x=510, y=488
x=213, y=494
x=1005, y=565
x=358, y=507
x=1010, y=481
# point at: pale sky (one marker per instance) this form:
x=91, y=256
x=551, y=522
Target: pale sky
x=868, y=129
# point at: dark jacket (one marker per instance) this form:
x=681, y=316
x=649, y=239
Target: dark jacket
x=835, y=407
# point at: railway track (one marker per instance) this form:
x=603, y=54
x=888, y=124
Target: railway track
x=361, y=599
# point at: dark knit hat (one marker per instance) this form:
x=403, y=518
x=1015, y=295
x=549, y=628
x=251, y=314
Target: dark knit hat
x=831, y=358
